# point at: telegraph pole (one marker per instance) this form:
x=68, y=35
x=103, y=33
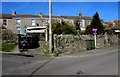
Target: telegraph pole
x=50, y=25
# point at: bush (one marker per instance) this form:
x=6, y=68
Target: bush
x=63, y=28
x=8, y=36
x=46, y=49
x=9, y=40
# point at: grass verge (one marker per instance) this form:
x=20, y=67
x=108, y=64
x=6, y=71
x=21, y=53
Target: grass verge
x=8, y=47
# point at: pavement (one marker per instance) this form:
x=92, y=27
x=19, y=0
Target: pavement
x=94, y=62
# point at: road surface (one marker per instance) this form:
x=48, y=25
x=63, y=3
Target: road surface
x=103, y=63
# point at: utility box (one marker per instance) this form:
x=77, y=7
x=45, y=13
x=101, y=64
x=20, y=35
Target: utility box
x=90, y=44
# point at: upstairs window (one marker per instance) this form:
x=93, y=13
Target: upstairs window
x=33, y=22
x=18, y=22
x=88, y=23
x=4, y=22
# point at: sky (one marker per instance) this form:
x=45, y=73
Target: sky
x=108, y=11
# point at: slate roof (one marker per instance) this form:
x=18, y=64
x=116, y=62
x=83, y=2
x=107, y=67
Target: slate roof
x=9, y=16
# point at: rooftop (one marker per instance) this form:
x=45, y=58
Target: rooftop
x=9, y=16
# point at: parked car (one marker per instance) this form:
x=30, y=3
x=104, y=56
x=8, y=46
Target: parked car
x=27, y=42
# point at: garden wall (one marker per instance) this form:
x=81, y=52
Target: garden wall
x=74, y=43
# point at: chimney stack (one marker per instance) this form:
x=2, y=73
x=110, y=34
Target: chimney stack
x=80, y=14
x=41, y=14
x=14, y=13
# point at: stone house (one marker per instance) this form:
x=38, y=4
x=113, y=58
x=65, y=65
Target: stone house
x=18, y=23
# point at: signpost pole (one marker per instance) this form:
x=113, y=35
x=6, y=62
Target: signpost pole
x=95, y=39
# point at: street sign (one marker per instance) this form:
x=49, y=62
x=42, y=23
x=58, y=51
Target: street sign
x=94, y=30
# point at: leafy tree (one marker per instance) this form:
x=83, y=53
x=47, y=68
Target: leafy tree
x=67, y=29
x=95, y=23
x=62, y=28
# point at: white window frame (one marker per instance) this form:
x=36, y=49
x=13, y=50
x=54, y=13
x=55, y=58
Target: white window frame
x=18, y=22
x=33, y=22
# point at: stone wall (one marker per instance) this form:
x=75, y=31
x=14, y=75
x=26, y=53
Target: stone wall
x=70, y=43
x=113, y=39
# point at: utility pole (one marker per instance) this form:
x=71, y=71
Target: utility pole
x=50, y=25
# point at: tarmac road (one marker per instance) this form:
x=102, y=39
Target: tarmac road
x=103, y=63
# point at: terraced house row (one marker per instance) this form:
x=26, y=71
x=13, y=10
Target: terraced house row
x=19, y=23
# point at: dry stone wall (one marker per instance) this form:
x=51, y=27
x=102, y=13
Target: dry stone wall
x=74, y=43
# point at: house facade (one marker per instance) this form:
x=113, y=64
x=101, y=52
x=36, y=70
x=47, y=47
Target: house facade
x=19, y=23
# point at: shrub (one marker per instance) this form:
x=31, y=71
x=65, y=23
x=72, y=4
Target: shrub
x=63, y=28
x=9, y=40
x=46, y=49
x=8, y=36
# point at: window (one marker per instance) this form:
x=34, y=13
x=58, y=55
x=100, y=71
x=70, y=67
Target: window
x=18, y=30
x=25, y=29
x=88, y=22
x=33, y=22
x=18, y=22
x=4, y=22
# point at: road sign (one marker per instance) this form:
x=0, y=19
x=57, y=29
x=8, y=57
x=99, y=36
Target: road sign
x=94, y=31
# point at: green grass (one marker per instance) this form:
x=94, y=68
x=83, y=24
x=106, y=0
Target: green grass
x=7, y=47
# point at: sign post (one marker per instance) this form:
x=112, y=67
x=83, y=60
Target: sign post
x=95, y=33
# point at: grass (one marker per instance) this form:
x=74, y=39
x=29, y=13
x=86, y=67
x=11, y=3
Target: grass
x=8, y=47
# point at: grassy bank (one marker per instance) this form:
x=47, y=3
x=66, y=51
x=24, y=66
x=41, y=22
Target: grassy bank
x=7, y=47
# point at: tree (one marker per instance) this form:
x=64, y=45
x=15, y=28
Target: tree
x=67, y=29
x=62, y=28
x=95, y=23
